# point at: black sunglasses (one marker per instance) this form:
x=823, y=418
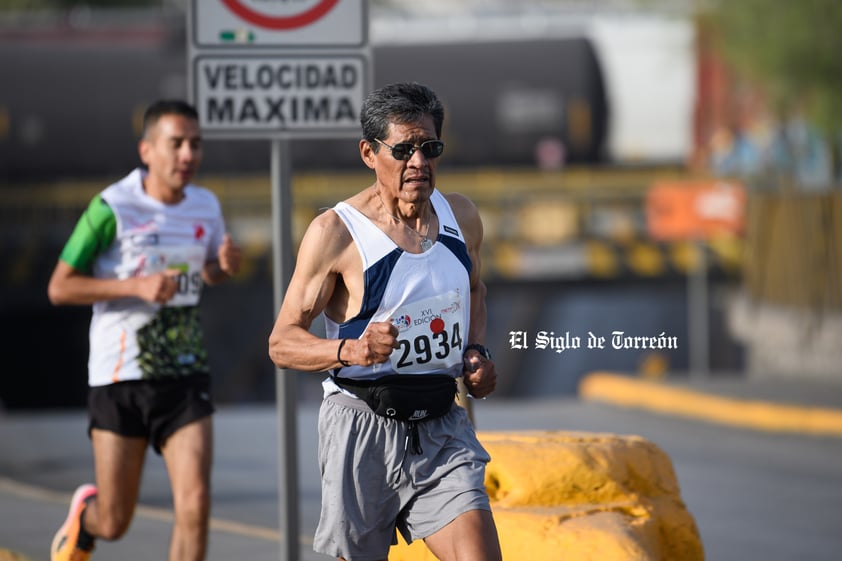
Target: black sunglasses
x=405, y=150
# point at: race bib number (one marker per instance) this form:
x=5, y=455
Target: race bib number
x=188, y=261
x=430, y=335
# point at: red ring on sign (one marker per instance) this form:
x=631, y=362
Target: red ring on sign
x=288, y=22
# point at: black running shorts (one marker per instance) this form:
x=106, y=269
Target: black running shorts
x=149, y=409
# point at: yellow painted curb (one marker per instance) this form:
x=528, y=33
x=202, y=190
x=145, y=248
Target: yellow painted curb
x=662, y=398
x=7, y=555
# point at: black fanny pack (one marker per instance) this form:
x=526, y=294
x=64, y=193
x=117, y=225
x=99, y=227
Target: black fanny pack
x=405, y=397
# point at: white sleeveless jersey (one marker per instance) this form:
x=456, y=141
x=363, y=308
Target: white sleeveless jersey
x=132, y=339
x=426, y=295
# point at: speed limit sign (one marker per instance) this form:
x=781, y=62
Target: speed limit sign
x=278, y=68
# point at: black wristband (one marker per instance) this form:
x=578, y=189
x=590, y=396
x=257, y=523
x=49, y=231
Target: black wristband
x=480, y=349
x=339, y=352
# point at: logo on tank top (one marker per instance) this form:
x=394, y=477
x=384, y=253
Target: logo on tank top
x=402, y=322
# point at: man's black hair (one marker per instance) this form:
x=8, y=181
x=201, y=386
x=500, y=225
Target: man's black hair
x=167, y=107
x=401, y=103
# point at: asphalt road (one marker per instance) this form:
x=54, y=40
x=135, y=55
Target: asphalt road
x=754, y=495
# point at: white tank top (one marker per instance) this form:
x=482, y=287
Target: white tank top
x=131, y=339
x=426, y=295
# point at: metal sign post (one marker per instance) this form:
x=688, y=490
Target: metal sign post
x=285, y=387
x=696, y=211
x=698, y=322
x=279, y=71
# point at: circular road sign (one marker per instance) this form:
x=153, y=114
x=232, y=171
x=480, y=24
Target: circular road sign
x=289, y=20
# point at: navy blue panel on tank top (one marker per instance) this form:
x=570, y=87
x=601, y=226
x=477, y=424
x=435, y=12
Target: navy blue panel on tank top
x=376, y=279
x=459, y=250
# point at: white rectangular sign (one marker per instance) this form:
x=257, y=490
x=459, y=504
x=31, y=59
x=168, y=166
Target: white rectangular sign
x=267, y=96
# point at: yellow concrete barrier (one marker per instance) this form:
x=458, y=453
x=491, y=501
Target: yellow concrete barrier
x=582, y=497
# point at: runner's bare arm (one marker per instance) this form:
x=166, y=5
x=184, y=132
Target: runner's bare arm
x=481, y=378
x=68, y=286
x=467, y=215
x=325, y=257
x=226, y=265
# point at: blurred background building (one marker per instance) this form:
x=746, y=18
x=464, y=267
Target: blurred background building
x=616, y=158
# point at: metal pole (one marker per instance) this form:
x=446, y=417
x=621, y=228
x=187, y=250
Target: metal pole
x=285, y=392
x=697, y=303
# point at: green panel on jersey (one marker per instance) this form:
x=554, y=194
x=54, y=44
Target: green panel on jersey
x=94, y=232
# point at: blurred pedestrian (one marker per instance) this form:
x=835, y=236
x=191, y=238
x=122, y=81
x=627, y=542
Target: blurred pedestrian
x=140, y=254
x=395, y=270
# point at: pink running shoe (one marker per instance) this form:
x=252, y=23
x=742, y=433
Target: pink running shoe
x=64, y=546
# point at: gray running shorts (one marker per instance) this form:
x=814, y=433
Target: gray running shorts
x=373, y=481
